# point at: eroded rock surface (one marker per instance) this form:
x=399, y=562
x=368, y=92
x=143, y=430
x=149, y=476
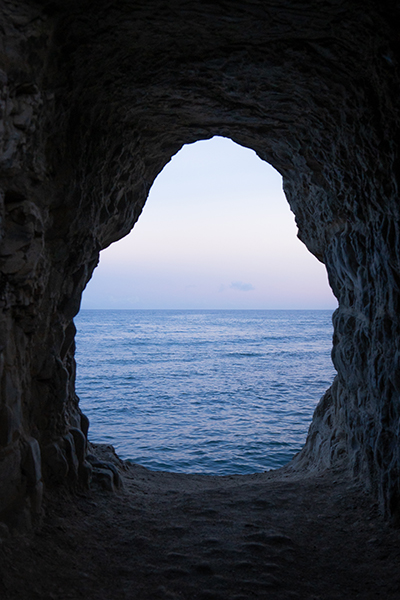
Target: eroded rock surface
x=97, y=97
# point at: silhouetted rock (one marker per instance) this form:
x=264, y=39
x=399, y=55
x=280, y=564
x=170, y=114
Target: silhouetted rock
x=97, y=97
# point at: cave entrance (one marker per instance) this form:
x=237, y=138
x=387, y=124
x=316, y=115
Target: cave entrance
x=204, y=338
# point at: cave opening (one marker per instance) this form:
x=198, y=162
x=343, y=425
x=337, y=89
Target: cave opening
x=97, y=98
x=204, y=337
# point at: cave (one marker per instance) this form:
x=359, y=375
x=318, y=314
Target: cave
x=96, y=98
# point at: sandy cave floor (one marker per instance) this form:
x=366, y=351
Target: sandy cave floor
x=170, y=536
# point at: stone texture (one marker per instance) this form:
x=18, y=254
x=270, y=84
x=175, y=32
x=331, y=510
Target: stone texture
x=105, y=471
x=95, y=98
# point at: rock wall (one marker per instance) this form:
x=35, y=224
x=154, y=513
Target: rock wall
x=97, y=97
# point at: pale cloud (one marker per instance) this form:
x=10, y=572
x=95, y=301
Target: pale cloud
x=242, y=287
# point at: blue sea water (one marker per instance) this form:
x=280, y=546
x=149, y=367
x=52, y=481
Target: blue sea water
x=203, y=391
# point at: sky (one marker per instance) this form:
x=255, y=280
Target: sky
x=216, y=233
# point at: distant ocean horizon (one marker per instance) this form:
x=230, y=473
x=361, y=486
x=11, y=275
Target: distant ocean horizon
x=203, y=391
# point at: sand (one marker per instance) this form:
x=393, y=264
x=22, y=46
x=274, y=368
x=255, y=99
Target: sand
x=275, y=535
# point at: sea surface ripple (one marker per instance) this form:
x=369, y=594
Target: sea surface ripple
x=203, y=391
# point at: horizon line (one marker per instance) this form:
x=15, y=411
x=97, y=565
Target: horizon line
x=202, y=308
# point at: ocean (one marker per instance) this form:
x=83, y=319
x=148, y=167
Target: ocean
x=203, y=391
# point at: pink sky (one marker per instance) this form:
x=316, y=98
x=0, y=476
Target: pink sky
x=216, y=232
